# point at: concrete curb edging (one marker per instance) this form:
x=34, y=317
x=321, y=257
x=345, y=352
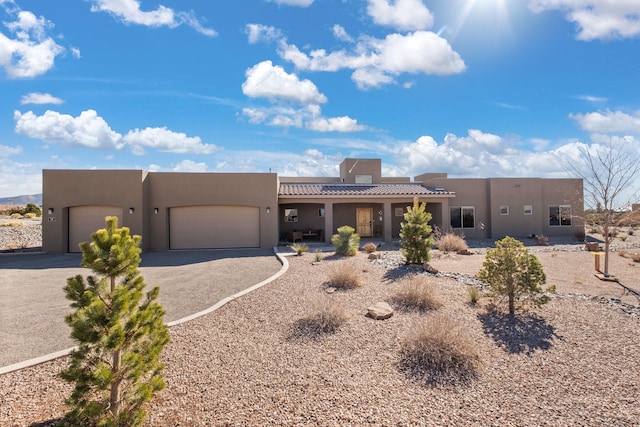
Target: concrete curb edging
x=52, y=356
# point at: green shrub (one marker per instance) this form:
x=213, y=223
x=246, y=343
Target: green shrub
x=32, y=208
x=511, y=272
x=370, y=248
x=346, y=242
x=473, y=295
x=415, y=234
x=317, y=256
x=344, y=276
x=418, y=293
x=438, y=348
x=451, y=242
x=299, y=248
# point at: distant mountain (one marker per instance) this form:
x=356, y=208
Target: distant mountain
x=22, y=200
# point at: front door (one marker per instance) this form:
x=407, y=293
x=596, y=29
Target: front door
x=364, y=217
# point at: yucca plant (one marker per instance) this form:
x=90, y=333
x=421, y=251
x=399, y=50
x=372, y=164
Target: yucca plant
x=346, y=242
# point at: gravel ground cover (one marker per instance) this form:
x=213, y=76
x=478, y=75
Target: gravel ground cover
x=27, y=237
x=572, y=362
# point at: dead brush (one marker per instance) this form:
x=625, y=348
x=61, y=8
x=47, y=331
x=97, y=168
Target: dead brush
x=418, y=293
x=344, y=276
x=326, y=316
x=437, y=350
x=451, y=242
x=12, y=224
x=370, y=247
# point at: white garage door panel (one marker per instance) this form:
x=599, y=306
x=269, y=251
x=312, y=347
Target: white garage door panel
x=204, y=227
x=85, y=220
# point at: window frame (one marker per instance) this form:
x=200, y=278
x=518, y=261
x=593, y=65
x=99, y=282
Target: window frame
x=528, y=209
x=563, y=220
x=463, y=223
x=291, y=215
x=504, y=210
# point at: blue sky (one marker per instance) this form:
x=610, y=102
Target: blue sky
x=474, y=88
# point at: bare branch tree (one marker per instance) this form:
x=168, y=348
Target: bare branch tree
x=609, y=172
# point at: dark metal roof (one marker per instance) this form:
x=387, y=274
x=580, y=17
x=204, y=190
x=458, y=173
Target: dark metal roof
x=329, y=190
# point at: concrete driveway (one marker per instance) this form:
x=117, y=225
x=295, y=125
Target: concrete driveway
x=33, y=305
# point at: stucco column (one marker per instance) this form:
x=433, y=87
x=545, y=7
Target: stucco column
x=387, y=223
x=328, y=221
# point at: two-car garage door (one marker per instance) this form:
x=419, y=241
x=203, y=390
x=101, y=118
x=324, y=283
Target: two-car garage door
x=205, y=227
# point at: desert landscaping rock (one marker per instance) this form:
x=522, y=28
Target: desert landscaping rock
x=380, y=311
x=573, y=362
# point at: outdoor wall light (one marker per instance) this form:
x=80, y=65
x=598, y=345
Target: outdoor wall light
x=268, y=209
x=155, y=211
x=50, y=211
x=131, y=210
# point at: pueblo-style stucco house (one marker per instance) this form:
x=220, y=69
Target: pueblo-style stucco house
x=260, y=210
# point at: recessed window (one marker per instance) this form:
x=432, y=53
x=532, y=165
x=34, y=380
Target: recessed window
x=291, y=215
x=462, y=217
x=560, y=215
x=364, y=179
x=399, y=212
x=321, y=212
x=528, y=209
x=504, y=210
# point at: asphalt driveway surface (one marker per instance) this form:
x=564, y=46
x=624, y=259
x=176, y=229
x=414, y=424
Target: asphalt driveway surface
x=33, y=305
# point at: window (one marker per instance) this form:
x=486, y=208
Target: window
x=462, y=217
x=364, y=179
x=528, y=209
x=560, y=215
x=399, y=212
x=291, y=215
x=321, y=212
x=504, y=210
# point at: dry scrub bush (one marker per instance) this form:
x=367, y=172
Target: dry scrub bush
x=418, y=293
x=12, y=224
x=438, y=349
x=473, y=295
x=16, y=215
x=344, y=276
x=450, y=242
x=370, y=248
x=326, y=316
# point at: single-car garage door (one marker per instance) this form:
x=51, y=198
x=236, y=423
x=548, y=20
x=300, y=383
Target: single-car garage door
x=208, y=227
x=85, y=220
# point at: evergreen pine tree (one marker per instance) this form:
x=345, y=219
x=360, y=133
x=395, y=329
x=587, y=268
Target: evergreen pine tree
x=415, y=234
x=120, y=336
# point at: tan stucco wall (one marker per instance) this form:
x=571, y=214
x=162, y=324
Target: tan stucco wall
x=145, y=191
x=349, y=168
x=64, y=189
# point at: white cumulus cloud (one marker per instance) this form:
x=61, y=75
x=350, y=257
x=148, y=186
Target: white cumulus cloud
x=7, y=151
x=130, y=13
x=335, y=124
x=404, y=15
x=266, y=80
x=378, y=61
x=31, y=53
x=40, y=98
x=86, y=130
x=597, y=19
x=608, y=122
x=190, y=166
x=300, y=3
x=165, y=140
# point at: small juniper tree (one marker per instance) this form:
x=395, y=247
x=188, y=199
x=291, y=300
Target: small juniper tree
x=346, y=242
x=415, y=234
x=510, y=271
x=116, y=366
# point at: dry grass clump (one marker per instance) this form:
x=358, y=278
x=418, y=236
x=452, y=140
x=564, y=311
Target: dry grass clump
x=634, y=256
x=15, y=216
x=370, y=248
x=326, y=316
x=418, y=293
x=451, y=242
x=438, y=350
x=344, y=276
x=12, y=224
